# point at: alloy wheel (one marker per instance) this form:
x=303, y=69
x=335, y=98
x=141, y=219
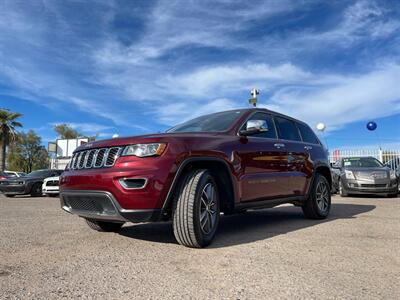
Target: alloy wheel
x=322, y=196
x=208, y=208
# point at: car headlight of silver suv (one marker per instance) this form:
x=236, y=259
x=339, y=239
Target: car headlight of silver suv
x=349, y=174
x=392, y=174
x=144, y=150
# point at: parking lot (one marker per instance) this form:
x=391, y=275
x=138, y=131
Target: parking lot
x=276, y=253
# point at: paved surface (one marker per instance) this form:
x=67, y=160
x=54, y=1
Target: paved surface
x=46, y=253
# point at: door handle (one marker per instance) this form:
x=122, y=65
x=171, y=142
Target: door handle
x=307, y=147
x=279, y=145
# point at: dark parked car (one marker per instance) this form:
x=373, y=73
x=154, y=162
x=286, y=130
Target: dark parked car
x=365, y=175
x=335, y=174
x=4, y=175
x=225, y=162
x=28, y=184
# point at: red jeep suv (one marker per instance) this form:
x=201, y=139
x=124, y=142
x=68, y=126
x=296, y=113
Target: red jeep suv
x=224, y=162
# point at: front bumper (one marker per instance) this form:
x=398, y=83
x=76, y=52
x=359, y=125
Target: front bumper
x=11, y=189
x=357, y=186
x=50, y=189
x=155, y=171
x=101, y=205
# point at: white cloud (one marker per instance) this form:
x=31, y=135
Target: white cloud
x=226, y=79
x=112, y=80
x=179, y=112
x=92, y=128
x=353, y=98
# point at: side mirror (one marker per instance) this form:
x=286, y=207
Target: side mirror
x=253, y=127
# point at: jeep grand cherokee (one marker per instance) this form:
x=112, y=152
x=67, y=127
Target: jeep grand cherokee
x=224, y=162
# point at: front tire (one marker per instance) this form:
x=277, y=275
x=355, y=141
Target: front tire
x=9, y=196
x=197, y=212
x=342, y=191
x=104, y=226
x=318, y=204
x=36, y=190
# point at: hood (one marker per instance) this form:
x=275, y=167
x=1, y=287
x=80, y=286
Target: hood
x=16, y=179
x=52, y=178
x=149, y=138
x=25, y=178
x=367, y=170
x=373, y=172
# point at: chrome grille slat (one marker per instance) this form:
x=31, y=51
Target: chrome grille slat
x=82, y=159
x=95, y=158
x=112, y=156
x=89, y=161
x=76, y=161
x=98, y=163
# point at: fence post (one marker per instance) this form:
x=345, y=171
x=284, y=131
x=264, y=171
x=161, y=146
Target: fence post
x=380, y=155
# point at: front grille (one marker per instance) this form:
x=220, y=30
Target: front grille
x=371, y=175
x=52, y=183
x=374, y=185
x=95, y=158
x=89, y=203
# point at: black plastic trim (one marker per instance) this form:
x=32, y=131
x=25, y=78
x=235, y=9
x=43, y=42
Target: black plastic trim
x=182, y=166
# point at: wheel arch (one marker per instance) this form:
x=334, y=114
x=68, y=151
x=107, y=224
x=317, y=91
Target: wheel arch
x=33, y=183
x=221, y=171
x=326, y=172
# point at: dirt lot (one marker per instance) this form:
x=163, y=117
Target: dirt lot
x=46, y=253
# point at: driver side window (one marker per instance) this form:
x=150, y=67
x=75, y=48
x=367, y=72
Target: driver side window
x=270, y=133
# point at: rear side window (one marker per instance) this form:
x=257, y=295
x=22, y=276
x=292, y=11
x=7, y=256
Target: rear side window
x=287, y=130
x=307, y=134
x=271, y=133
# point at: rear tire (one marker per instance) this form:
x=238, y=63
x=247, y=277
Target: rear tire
x=318, y=204
x=104, y=226
x=197, y=212
x=36, y=190
x=10, y=196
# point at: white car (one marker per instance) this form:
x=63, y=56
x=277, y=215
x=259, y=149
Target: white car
x=50, y=186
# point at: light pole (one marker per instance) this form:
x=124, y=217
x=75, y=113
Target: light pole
x=253, y=100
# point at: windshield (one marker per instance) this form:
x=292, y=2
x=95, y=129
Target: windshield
x=209, y=123
x=11, y=175
x=42, y=173
x=361, y=162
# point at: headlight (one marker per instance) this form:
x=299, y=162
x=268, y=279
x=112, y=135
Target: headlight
x=392, y=174
x=143, y=150
x=349, y=174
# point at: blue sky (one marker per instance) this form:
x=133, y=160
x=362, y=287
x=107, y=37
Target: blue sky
x=135, y=67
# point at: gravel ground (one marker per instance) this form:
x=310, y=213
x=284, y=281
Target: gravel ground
x=48, y=254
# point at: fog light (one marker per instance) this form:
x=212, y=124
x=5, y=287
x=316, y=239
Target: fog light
x=133, y=183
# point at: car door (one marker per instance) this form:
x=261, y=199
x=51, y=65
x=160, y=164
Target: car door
x=263, y=163
x=296, y=152
x=314, y=151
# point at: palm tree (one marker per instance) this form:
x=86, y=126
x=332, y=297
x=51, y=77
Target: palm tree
x=8, y=132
